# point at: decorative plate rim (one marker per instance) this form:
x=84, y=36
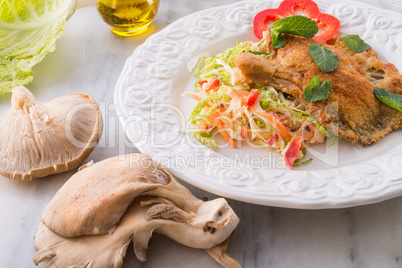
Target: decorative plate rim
x=144, y=91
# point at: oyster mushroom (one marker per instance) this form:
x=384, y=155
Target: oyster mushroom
x=38, y=139
x=105, y=206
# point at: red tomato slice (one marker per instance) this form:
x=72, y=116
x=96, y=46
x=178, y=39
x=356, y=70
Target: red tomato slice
x=293, y=150
x=252, y=97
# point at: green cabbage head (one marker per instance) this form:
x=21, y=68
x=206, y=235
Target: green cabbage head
x=28, y=31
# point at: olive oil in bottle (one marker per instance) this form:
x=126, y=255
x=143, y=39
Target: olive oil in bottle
x=128, y=17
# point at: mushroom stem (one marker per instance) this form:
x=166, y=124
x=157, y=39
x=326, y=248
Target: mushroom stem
x=21, y=98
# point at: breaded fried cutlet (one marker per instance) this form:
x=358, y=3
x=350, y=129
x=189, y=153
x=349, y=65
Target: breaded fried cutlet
x=352, y=111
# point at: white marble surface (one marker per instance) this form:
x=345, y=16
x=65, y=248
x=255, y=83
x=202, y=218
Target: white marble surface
x=89, y=58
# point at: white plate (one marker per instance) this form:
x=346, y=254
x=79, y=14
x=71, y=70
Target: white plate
x=395, y=4
x=153, y=114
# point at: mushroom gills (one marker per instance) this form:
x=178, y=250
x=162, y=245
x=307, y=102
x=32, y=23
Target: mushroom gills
x=38, y=140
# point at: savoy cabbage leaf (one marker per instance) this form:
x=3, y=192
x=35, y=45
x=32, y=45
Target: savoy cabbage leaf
x=28, y=31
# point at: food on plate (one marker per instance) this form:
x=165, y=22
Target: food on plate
x=28, y=31
x=352, y=110
x=263, y=115
x=40, y=139
x=103, y=207
x=292, y=89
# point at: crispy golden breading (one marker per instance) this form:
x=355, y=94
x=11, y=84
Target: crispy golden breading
x=352, y=111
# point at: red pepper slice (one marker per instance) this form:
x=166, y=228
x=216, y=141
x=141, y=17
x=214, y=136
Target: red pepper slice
x=273, y=140
x=291, y=7
x=202, y=82
x=263, y=18
x=213, y=84
x=252, y=97
x=328, y=24
x=293, y=150
x=208, y=126
x=282, y=117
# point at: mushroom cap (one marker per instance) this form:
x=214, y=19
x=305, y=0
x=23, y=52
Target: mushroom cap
x=37, y=140
x=95, y=198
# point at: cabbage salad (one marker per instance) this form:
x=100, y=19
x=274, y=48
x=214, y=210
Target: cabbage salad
x=261, y=116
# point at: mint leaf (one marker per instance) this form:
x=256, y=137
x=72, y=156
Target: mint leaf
x=324, y=58
x=278, y=40
x=355, y=43
x=390, y=99
x=317, y=90
x=296, y=25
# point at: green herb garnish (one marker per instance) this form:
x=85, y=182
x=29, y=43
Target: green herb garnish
x=355, y=43
x=390, y=99
x=317, y=90
x=324, y=58
x=296, y=25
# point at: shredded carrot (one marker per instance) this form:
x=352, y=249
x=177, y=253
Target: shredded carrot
x=234, y=95
x=214, y=116
x=231, y=142
x=243, y=93
x=267, y=137
x=244, y=133
x=275, y=122
x=194, y=96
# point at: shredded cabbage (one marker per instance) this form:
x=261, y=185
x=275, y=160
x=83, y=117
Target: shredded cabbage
x=272, y=121
x=220, y=64
x=198, y=108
